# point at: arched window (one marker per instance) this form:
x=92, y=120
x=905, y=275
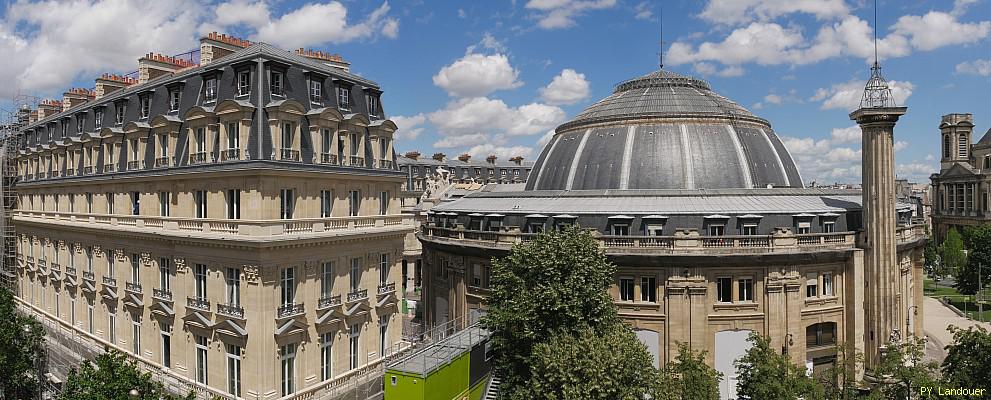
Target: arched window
x=821, y=334
x=946, y=146
x=962, y=147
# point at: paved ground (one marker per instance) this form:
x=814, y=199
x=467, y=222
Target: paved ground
x=937, y=318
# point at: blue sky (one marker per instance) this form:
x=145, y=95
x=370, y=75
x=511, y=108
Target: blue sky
x=494, y=77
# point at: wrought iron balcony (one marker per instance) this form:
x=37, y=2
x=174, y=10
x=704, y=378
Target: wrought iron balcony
x=162, y=162
x=162, y=294
x=198, y=303
x=42, y=175
x=385, y=164
x=328, y=158
x=357, y=295
x=328, y=302
x=133, y=165
x=109, y=167
x=70, y=172
x=198, y=158
x=290, y=310
x=356, y=161
x=230, y=154
x=386, y=288
x=230, y=310
x=108, y=281
x=133, y=287
x=88, y=276
x=42, y=262
x=70, y=271
x=289, y=154
x=88, y=169
x=56, y=173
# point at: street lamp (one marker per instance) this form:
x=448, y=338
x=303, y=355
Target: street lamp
x=913, y=310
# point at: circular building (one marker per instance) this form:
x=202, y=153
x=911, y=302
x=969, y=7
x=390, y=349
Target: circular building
x=702, y=209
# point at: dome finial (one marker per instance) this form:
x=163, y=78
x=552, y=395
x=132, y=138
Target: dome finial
x=877, y=93
x=660, y=53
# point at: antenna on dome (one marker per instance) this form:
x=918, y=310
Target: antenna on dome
x=660, y=53
x=877, y=93
x=875, y=35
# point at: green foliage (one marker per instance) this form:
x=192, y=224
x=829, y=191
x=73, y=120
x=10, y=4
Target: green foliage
x=901, y=370
x=932, y=261
x=589, y=364
x=21, y=347
x=553, y=285
x=112, y=376
x=690, y=377
x=978, y=240
x=839, y=381
x=951, y=252
x=764, y=374
x=968, y=358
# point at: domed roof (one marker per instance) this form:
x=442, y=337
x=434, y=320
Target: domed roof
x=664, y=131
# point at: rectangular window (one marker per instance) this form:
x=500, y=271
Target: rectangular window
x=145, y=106
x=745, y=289
x=135, y=203
x=354, y=144
x=136, y=337
x=243, y=83
x=110, y=265
x=89, y=314
x=476, y=275
x=98, y=118
x=275, y=83
x=383, y=268
x=135, y=268
x=325, y=142
x=110, y=203
x=648, y=289
x=201, y=363
x=344, y=98
x=383, y=203
x=199, y=198
x=804, y=228
x=827, y=284
x=89, y=258
x=326, y=203
x=288, y=285
x=163, y=146
x=233, y=278
x=287, y=203
x=812, y=285
x=210, y=90
x=828, y=227
x=354, y=334
x=626, y=289
x=72, y=310
x=200, y=137
x=233, y=136
x=717, y=230
x=326, y=355
x=373, y=104
x=234, y=370
x=355, y=273
x=166, y=337
x=174, y=97
x=164, y=200
x=316, y=90
x=288, y=369
x=620, y=229
x=354, y=202
x=80, y=123
x=112, y=328
x=287, y=135
x=724, y=290
x=654, y=230
x=199, y=277
x=750, y=229
x=121, y=111
x=234, y=204
x=164, y=274
x=64, y=125
x=383, y=334
x=327, y=279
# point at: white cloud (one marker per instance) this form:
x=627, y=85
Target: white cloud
x=976, y=67
x=642, y=11
x=480, y=114
x=916, y=171
x=477, y=75
x=837, y=158
x=850, y=134
x=773, y=99
x=939, y=29
x=557, y=14
x=743, y=11
x=846, y=96
x=461, y=141
x=488, y=42
x=409, y=127
x=315, y=24
x=569, y=87
x=900, y=145
x=960, y=6
x=707, y=69
x=546, y=138
x=235, y=12
x=487, y=149
x=930, y=157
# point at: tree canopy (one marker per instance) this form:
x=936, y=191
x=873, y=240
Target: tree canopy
x=977, y=269
x=21, y=349
x=951, y=253
x=901, y=371
x=689, y=377
x=765, y=374
x=112, y=376
x=968, y=358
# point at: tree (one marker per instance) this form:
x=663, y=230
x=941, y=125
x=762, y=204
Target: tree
x=764, y=374
x=112, y=376
x=901, y=370
x=978, y=240
x=21, y=348
x=553, y=285
x=589, y=364
x=839, y=381
x=933, y=263
x=951, y=252
x=968, y=357
x=689, y=377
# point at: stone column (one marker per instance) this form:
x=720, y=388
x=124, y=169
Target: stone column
x=880, y=221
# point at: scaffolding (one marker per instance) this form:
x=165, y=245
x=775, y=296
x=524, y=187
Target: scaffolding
x=10, y=137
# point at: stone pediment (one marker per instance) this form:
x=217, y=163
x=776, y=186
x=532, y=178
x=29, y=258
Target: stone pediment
x=959, y=169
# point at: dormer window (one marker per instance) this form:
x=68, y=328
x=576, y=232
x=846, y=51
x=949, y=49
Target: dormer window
x=145, y=106
x=121, y=110
x=210, y=90
x=80, y=122
x=98, y=118
x=316, y=90
x=275, y=84
x=373, y=104
x=65, y=128
x=344, y=98
x=243, y=83
x=175, y=96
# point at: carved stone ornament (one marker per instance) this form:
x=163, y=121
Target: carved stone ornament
x=146, y=258
x=180, y=265
x=78, y=247
x=48, y=242
x=34, y=240
x=250, y=273
x=119, y=255
x=98, y=251
x=61, y=244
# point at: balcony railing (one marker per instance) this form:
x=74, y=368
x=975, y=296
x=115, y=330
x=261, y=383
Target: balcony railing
x=109, y=167
x=42, y=175
x=386, y=288
x=356, y=161
x=290, y=310
x=328, y=302
x=88, y=169
x=289, y=154
x=385, y=164
x=230, y=310
x=55, y=173
x=88, y=276
x=162, y=294
x=70, y=271
x=133, y=165
x=198, y=158
x=55, y=267
x=70, y=172
x=230, y=154
x=328, y=158
x=162, y=162
x=240, y=228
x=109, y=281
x=357, y=295
x=133, y=287
x=198, y=303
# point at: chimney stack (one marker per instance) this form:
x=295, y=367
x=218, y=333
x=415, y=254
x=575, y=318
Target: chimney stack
x=33, y=117
x=24, y=115
x=49, y=107
x=215, y=45
x=75, y=97
x=109, y=83
x=154, y=65
x=464, y=157
x=439, y=156
x=333, y=60
x=491, y=159
x=413, y=155
x=518, y=160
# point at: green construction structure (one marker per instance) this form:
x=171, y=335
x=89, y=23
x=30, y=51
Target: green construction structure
x=454, y=368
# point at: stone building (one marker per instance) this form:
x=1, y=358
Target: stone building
x=702, y=209
x=960, y=191
x=233, y=222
